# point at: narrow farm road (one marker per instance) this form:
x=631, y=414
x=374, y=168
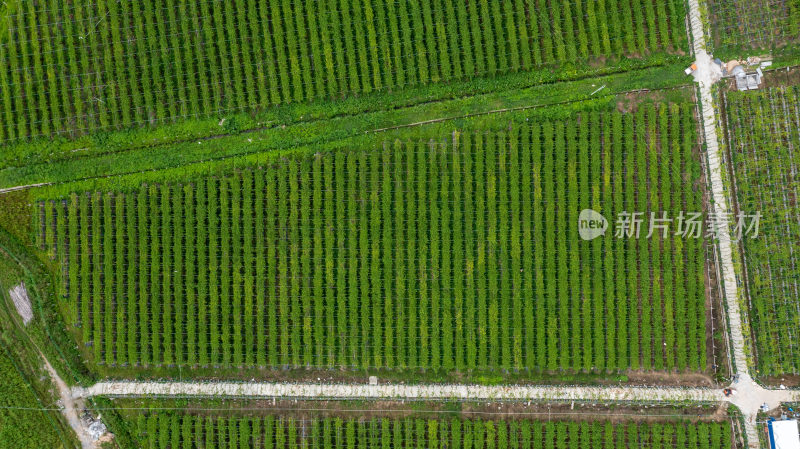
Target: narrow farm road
x=29, y=186
x=70, y=410
x=399, y=391
x=706, y=78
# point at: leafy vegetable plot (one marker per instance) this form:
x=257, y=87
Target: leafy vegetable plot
x=450, y=256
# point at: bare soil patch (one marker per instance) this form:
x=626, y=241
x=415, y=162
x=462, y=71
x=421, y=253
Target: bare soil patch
x=465, y=409
x=788, y=380
x=19, y=295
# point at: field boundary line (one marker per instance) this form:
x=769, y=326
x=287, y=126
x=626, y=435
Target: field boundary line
x=311, y=145
x=523, y=108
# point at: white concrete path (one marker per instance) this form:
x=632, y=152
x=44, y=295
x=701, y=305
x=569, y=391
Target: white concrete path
x=706, y=76
x=70, y=410
x=400, y=391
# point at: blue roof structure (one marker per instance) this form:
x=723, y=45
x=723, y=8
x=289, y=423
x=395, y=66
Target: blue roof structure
x=783, y=434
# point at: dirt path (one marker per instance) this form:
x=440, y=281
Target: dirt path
x=70, y=410
x=15, y=188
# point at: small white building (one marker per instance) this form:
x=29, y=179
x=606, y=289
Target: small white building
x=783, y=434
x=744, y=80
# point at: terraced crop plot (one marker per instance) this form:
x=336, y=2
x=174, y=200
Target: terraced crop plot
x=454, y=256
x=72, y=67
x=195, y=431
x=764, y=134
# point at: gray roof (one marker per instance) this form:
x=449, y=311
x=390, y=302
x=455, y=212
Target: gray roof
x=746, y=81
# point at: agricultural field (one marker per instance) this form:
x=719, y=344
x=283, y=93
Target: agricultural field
x=75, y=67
x=24, y=388
x=345, y=123
x=22, y=424
x=434, y=256
x=288, y=223
x=743, y=27
x=172, y=430
x=763, y=131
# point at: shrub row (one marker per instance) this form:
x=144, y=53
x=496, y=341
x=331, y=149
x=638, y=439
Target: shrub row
x=172, y=430
x=424, y=255
x=69, y=69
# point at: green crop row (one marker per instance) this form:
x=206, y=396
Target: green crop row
x=187, y=431
x=75, y=68
x=763, y=137
x=740, y=27
x=446, y=256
